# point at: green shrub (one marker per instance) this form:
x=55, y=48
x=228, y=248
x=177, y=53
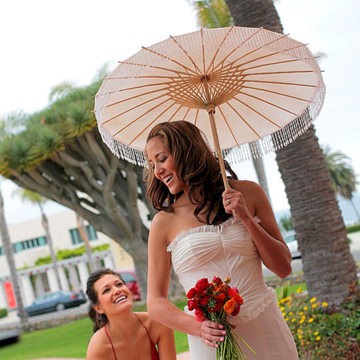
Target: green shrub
x=320, y=331
x=353, y=228
x=3, y=313
x=63, y=254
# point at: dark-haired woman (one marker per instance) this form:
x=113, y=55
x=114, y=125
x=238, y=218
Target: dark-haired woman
x=203, y=231
x=120, y=333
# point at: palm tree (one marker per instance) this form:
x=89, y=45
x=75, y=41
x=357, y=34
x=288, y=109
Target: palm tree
x=7, y=246
x=36, y=199
x=6, y=241
x=84, y=237
x=215, y=14
x=342, y=175
x=329, y=268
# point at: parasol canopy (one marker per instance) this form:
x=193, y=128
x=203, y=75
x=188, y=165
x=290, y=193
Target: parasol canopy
x=237, y=85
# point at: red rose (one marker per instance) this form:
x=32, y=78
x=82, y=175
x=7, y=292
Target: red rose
x=199, y=316
x=233, y=293
x=204, y=300
x=236, y=310
x=217, y=281
x=202, y=284
x=192, y=304
x=218, y=306
x=191, y=293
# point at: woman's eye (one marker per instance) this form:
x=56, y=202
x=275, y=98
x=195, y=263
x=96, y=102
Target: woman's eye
x=162, y=159
x=105, y=291
x=119, y=284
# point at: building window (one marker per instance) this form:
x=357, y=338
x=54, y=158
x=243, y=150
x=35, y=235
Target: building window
x=75, y=235
x=29, y=244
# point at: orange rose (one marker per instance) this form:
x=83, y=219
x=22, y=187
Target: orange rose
x=230, y=306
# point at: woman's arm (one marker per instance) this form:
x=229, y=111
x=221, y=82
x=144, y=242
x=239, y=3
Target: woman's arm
x=247, y=200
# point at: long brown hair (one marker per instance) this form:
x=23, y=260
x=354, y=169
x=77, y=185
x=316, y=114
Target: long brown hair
x=196, y=165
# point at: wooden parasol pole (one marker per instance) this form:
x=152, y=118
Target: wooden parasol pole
x=210, y=107
x=211, y=112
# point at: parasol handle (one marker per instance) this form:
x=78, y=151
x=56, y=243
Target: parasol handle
x=211, y=113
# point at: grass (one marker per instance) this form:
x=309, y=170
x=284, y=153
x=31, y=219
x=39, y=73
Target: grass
x=331, y=334
x=67, y=341
x=70, y=340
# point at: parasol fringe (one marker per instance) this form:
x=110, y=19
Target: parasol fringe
x=123, y=152
x=270, y=143
x=243, y=153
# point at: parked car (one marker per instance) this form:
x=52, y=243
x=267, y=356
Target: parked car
x=291, y=242
x=10, y=335
x=55, y=301
x=131, y=282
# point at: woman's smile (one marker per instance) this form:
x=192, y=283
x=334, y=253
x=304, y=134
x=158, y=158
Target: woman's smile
x=163, y=164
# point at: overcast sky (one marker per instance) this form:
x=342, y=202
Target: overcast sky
x=44, y=43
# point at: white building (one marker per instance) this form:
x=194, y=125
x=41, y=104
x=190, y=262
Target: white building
x=29, y=244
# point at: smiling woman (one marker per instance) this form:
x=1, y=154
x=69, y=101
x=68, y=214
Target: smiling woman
x=117, y=329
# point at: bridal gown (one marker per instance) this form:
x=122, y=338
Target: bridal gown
x=227, y=250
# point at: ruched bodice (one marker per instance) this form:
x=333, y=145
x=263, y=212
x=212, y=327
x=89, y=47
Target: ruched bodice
x=228, y=250
x=222, y=250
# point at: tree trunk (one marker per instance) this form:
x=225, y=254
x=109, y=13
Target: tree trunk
x=45, y=224
x=328, y=265
x=84, y=237
x=260, y=172
x=7, y=246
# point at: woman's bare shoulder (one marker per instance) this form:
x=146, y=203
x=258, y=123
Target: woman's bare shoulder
x=154, y=327
x=161, y=217
x=97, y=348
x=245, y=185
x=160, y=222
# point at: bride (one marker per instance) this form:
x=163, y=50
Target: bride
x=202, y=231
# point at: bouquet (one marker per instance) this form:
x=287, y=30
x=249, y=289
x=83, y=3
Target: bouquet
x=214, y=301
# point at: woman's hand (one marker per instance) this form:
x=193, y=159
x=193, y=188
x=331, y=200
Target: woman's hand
x=234, y=203
x=212, y=333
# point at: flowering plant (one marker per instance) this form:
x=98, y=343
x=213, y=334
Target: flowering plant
x=214, y=301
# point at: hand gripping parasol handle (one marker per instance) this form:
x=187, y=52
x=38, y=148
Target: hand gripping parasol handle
x=211, y=113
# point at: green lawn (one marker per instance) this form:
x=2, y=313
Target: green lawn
x=67, y=341
x=70, y=340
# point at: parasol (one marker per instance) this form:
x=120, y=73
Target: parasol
x=237, y=85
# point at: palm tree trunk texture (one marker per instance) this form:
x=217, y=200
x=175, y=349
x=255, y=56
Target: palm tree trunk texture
x=328, y=265
x=84, y=237
x=6, y=243
x=260, y=170
x=45, y=224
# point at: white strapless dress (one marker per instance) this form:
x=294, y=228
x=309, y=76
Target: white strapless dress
x=227, y=250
